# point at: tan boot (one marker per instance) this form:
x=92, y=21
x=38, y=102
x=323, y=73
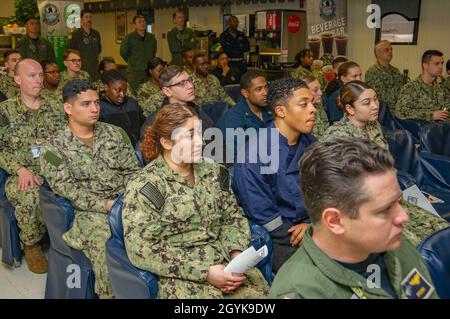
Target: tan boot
x=35, y=258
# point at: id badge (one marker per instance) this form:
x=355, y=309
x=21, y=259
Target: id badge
x=36, y=150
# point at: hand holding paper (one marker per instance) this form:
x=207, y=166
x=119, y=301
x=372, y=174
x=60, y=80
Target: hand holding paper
x=246, y=260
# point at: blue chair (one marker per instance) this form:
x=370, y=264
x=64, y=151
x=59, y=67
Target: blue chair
x=128, y=282
x=333, y=113
x=234, y=91
x=58, y=217
x=215, y=110
x=137, y=150
x=391, y=122
x=435, y=138
x=9, y=231
x=261, y=237
x=436, y=253
x=430, y=172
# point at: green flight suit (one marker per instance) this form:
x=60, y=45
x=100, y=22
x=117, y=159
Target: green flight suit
x=89, y=46
x=137, y=51
x=311, y=274
x=40, y=50
x=180, y=41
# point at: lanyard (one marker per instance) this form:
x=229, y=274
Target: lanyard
x=359, y=292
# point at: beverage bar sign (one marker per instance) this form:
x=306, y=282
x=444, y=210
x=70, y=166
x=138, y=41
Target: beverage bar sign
x=327, y=27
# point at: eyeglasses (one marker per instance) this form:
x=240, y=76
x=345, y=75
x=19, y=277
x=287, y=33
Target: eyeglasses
x=75, y=60
x=52, y=72
x=183, y=83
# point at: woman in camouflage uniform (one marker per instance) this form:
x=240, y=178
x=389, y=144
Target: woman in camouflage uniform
x=181, y=221
x=360, y=105
x=150, y=96
x=321, y=117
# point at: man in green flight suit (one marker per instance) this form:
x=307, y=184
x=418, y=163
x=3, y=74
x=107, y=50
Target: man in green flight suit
x=137, y=49
x=88, y=42
x=32, y=45
x=180, y=38
x=354, y=248
x=89, y=163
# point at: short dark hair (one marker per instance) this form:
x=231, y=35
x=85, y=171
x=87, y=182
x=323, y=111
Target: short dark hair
x=302, y=54
x=350, y=93
x=30, y=18
x=281, y=90
x=138, y=16
x=75, y=87
x=333, y=174
x=168, y=74
x=8, y=53
x=105, y=61
x=175, y=13
x=448, y=65
x=427, y=55
x=183, y=54
x=339, y=59
x=153, y=63
x=45, y=63
x=112, y=76
x=83, y=12
x=248, y=77
x=198, y=56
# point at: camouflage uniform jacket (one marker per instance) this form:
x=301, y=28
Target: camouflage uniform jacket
x=418, y=100
x=8, y=86
x=345, y=127
x=321, y=121
x=177, y=231
x=89, y=177
x=53, y=97
x=387, y=82
x=210, y=91
x=65, y=77
x=20, y=130
x=447, y=86
x=150, y=98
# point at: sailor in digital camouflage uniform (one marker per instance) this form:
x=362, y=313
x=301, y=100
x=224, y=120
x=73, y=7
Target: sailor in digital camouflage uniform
x=421, y=223
x=304, y=69
x=150, y=96
x=72, y=60
x=207, y=86
x=26, y=122
x=7, y=84
x=383, y=77
x=91, y=171
x=185, y=228
x=425, y=97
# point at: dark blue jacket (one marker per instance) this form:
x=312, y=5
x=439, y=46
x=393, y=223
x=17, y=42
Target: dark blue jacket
x=128, y=116
x=334, y=114
x=266, y=197
x=240, y=116
x=234, y=47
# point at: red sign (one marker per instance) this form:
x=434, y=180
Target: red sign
x=272, y=21
x=294, y=24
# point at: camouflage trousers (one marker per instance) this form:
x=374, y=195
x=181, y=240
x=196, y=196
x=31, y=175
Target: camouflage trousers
x=421, y=223
x=27, y=210
x=89, y=233
x=255, y=287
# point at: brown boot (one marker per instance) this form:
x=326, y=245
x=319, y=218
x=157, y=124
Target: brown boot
x=35, y=258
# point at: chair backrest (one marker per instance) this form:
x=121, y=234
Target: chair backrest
x=137, y=150
x=58, y=216
x=436, y=253
x=215, y=110
x=333, y=113
x=234, y=91
x=403, y=149
x=435, y=138
x=128, y=282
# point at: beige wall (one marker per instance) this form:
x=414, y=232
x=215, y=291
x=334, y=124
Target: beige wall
x=433, y=30
x=7, y=8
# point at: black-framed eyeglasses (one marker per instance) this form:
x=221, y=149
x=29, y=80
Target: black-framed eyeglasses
x=183, y=83
x=52, y=72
